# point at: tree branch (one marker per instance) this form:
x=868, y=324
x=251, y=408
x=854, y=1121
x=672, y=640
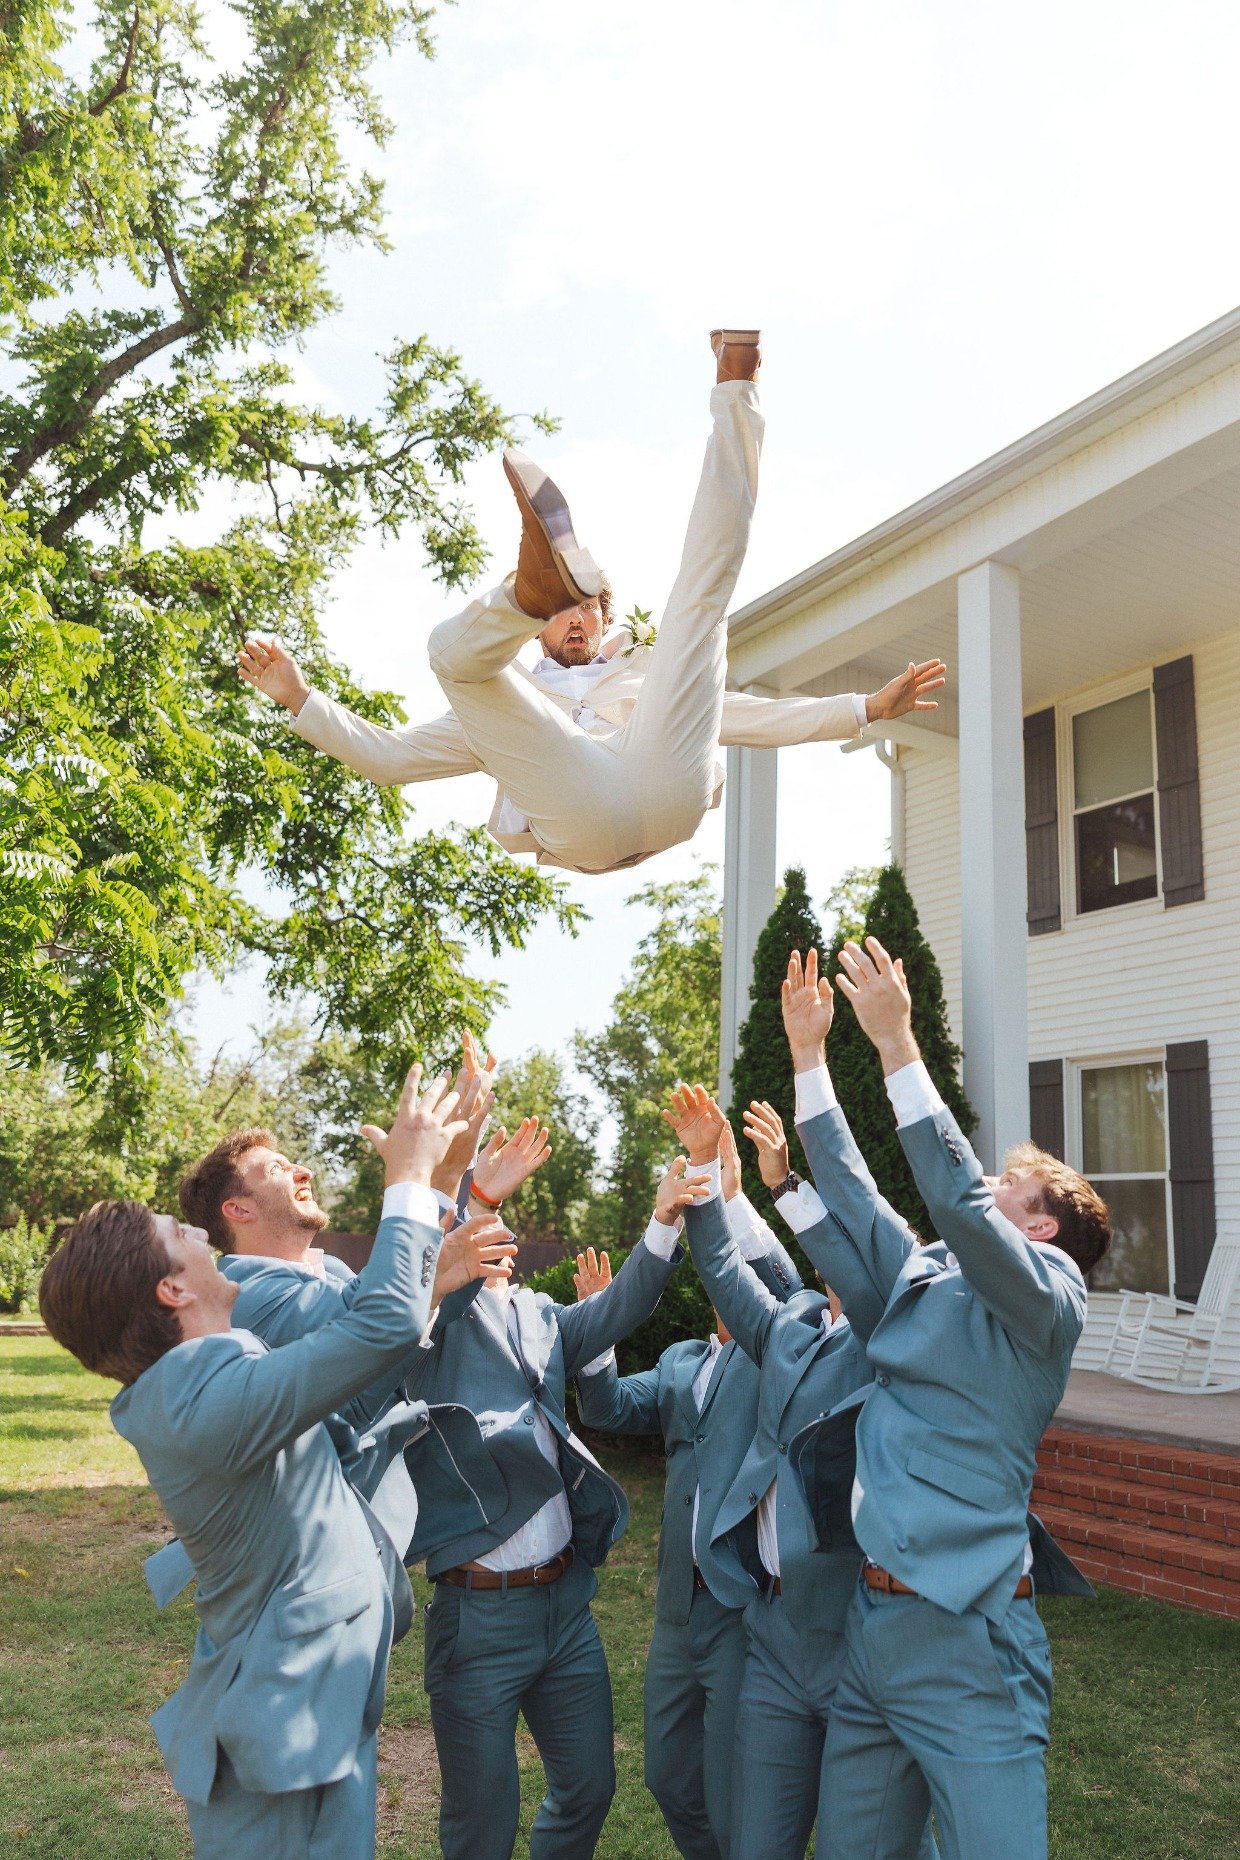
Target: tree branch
x=121, y=82
x=83, y=502
x=23, y=461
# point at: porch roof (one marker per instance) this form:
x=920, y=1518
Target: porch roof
x=1122, y=515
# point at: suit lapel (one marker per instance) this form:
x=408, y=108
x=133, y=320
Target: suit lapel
x=531, y=1338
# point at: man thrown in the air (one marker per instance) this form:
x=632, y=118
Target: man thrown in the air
x=606, y=752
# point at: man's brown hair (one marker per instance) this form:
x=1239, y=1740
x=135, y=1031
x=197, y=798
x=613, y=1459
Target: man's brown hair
x=215, y=1178
x=97, y=1293
x=1084, y=1222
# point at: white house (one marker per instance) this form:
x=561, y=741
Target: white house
x=1069, y=820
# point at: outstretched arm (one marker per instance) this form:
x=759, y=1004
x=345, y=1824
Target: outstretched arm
x=1037, y=1295
x=772, y=723
x=590, y=1329
x=419, y=752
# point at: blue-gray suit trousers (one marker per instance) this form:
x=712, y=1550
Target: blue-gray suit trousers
x=333, y=1822
x=494, y=1653
x=934, y=1707
x=785, y=1704
x=693, y=1683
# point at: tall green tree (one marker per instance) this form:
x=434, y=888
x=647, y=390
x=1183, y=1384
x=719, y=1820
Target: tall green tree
x=555, y=1203
x=166, y=227
x=664, y=1027
x=891, y=916
x=763, y=1068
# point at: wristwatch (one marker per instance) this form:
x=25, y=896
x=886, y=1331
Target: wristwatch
x=789, y=1185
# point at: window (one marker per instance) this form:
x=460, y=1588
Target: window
x=1113, y=803
x=1124, y=1154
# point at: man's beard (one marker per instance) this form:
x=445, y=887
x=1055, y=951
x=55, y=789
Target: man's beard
x=569, y=656
x=310, y=1220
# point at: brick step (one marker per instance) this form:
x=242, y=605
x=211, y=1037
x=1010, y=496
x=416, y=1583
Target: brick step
x=1157, y=1508
x=1206, y=1475
x=1175, y=1569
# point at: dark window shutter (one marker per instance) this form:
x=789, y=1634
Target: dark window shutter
x=1191, y=1143
x=1041, y=823
x=1046, y=1105
x=1179, y=786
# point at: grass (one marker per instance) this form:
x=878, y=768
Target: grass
x=1142, y=1761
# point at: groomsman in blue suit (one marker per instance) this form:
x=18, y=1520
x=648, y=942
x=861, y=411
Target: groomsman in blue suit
x=510, y=1630
x=272, y=1736
x=702, y=1397
x=945, y=1693
x=794, y=1497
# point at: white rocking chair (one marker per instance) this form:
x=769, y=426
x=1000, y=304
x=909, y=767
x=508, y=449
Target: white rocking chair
x=1166, y=1343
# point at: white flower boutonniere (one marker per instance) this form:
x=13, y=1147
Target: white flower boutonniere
x=642, y=629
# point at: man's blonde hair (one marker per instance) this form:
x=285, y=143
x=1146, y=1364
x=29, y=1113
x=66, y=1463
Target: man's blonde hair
x=1084, y=1222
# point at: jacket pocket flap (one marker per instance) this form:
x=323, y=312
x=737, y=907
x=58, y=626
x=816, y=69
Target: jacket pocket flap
x=320, y=1608
x=976, y=1488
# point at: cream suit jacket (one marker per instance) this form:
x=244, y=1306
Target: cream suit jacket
x=436, y=750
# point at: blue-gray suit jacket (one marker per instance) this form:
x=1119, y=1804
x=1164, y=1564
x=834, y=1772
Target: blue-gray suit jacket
x=806, y=1374
x=705, y=1449
x=295, y=1614
x=466, y=1364
x=970, y=1356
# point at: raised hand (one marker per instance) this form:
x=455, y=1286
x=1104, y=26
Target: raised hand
x=881, y=1001
x=730, y=1164
x=764, y=1128
x=480, y=1248
x=593, y=1273
x=907, y=691
x=808, y=1009
x=422, y=1131
x=508, y=1161
x=676, y=1194
x=265, y=664
x=476, y=1099
x=698, y=1122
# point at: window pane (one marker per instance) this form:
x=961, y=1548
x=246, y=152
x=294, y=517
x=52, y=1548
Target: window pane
x=1137, y=1261
x=1123, y=1119
x=1113, y=750
x=1115, y=857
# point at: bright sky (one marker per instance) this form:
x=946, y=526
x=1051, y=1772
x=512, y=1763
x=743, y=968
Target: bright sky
x=952, y=221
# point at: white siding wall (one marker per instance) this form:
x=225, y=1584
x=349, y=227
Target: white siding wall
x=1137, y=977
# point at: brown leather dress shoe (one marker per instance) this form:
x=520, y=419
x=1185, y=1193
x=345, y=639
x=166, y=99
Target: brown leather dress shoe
x=553, y=570
x=738, y=353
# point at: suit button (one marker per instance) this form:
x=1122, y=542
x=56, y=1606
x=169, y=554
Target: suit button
x=783, y=1449
x=701, y=1437
x=883, y=1380
x=688, y=1501
x=528, y=1419
x=753, y=1498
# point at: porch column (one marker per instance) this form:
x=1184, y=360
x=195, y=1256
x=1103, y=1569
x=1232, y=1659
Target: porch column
x=748, y=888
x=992, y=858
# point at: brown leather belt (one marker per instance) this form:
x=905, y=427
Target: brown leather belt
x=699, y=1580
x=474, y=1576
x=878, y=1578
x=773, y=1587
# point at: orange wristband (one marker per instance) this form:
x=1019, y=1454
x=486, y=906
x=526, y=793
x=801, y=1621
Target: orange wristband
x=486, y=1201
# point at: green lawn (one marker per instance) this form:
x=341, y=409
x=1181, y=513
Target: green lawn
x=1142, y=1767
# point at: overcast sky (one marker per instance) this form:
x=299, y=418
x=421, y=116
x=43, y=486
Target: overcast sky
x=952, y=220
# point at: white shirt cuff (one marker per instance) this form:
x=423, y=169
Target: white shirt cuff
x=802, y=1208
x=815, y=1094
x=912, y=1094
x=411, y=1201
x=863, y=720
x=606, y=1361
x=711, y=1172
x=660, y=1240
x=747, y=1228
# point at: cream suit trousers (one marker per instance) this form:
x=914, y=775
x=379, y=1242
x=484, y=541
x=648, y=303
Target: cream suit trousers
x=598, y=801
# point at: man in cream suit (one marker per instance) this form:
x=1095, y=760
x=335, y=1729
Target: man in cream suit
x=272, y=1736
x=607, y=752
x=702, y=1397
x=945, y=1692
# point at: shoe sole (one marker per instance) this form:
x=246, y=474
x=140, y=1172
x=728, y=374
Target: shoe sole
x=543, y=503
x=743, y=338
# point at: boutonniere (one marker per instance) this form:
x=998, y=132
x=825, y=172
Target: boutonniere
x=642, y=628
